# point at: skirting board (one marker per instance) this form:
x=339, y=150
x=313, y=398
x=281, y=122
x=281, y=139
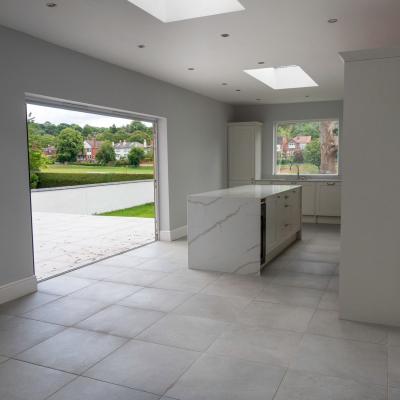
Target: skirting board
x=175, y=234
x=14, y=290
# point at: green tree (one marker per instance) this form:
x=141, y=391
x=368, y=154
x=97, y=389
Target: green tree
x=136, y=156
x=106, y=153
x=312, y=153
x=69, y=145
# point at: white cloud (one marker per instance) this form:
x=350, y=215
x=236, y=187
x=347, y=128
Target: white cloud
x=57, y=115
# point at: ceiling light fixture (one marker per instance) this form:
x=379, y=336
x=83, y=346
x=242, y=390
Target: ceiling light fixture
x=178, y=10
x=51, y=4
x=332, y=20
x=224, y=84
x=238, y=90
x=225, y=35
x=141, y=46
x=261, y=62
x=191, y=69
x=286, y=77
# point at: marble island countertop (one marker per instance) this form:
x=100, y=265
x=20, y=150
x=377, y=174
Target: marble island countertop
x=248, y=191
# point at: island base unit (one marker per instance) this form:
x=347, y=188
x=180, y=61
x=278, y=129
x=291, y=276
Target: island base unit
x=239, y=230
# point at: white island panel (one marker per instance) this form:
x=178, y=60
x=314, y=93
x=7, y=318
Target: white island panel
x=224, y=234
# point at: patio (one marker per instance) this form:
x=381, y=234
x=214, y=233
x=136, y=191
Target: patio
x=63, y=242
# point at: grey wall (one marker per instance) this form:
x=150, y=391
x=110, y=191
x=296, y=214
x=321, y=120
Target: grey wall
x=271, y=113
x=192, y=145
x=370, y=250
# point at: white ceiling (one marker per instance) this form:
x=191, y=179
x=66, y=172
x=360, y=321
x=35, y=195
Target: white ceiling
x=278, y=32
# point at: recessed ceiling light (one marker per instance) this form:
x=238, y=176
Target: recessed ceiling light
x=51, y=4
x=141, y=46
x=332, y=20
x=178, y=10
x=191, y=69
x=289, y=77
x=258, y=99
x=224, y=84
x=261, y=62
x=307, y=96
x=238, y=90
x=225, y=34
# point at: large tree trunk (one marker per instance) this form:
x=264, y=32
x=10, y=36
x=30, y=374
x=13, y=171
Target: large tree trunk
x=329, y=148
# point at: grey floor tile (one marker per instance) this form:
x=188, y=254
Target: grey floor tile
x=223, y=378
x=191, y=333
x=137, y=277
x=299, y=385
x=66, y=311
x=18, y=334
x=96, y=271
x=63, y=285
x=27, y=303
x=236, y=285
x=213, y=307
x=334, y=284
x=125, y=260
x=359, y=361
x=144, y=366
x=278, y=316
x=311, y=256
x=73, y=350
x=297, y=279
x=394, y=366
x=394, y=393
x=22, y=381
x=291, y=295
x=90, y=389
x=329, y=301
x=161, y=264
x=189, y=280
x=394, y=336
x=106, y=292
x=121, y=320
x=254, y=343
x=156, y=299
x=327, y=323
x=305, y=267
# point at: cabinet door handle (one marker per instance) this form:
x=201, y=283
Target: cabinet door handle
x=286, y=206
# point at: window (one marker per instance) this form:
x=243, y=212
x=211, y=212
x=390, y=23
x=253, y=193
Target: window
x=312, y=147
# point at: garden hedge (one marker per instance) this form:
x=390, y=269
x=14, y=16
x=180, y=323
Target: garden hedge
x=50, y=179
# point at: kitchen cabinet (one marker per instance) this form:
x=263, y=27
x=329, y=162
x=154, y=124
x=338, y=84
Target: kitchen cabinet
x=244, y=153
x=328, y=199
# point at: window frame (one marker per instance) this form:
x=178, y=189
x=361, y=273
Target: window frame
x=274, y=155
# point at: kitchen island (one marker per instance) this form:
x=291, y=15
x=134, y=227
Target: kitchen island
x=239, y=230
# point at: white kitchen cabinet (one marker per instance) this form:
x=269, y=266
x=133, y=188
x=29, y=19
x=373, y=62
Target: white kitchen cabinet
x=328, y=199
x=271, y=226
x=244, y=152
x=308, y=199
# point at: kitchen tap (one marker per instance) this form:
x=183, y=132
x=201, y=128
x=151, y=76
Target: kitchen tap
x=298, y=170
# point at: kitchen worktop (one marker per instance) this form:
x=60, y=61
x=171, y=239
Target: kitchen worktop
x=245, y=192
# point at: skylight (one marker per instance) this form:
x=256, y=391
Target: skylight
x=177, y=10
x=289, y=77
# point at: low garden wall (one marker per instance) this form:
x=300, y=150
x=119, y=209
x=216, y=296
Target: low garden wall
x=92, y=199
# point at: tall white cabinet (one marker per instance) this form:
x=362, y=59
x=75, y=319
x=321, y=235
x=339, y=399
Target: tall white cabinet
x=244, y=153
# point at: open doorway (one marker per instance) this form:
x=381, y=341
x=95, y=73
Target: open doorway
x=92, y=178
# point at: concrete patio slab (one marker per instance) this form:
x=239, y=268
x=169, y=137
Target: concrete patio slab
x=66, y=241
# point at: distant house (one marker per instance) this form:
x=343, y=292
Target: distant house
x=90, y=149
x=298, y=143
x=50, y=151
x=123, y=148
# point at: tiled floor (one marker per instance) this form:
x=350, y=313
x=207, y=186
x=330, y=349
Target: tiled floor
x=66, y=241
x=140, y=326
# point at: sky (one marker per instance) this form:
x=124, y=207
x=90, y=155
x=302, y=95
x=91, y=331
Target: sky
x=57, y=115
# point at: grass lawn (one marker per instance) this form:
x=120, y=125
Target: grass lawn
x=78, y=169
x=142, y=211
x=304, y=169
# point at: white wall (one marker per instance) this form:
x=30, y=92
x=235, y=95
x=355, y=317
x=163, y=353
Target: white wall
x=270, y=113
x=192, y=134
x=93, y=199
x=370, y=243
